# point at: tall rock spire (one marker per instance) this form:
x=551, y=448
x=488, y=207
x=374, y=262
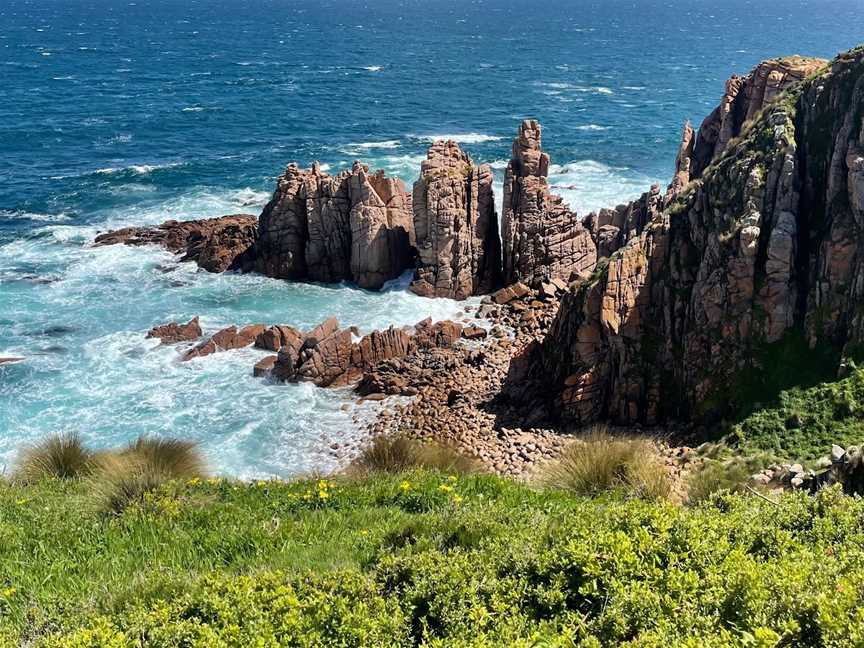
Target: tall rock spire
x=543, y=239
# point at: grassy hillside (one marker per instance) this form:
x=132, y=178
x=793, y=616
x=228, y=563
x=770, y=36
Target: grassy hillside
x=803, y=422
x=423, y=558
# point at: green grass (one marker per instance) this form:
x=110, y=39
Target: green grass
x=803, y=422
x=423, y=558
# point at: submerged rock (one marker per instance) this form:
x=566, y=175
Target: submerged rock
x=10, y=360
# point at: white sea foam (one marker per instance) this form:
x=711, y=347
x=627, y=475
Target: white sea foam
x=592, y=127
x=138, y=169
x=194, y=109
x=460, y=138
x=32, y=216
x=373, y=68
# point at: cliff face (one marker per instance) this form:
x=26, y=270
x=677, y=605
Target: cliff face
x=744, y=98
x=543, y=239
x=354, y=226
x=456, y=226
x=760, y=252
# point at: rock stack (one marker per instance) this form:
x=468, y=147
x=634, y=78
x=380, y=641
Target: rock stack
x=543, y=239
x=456, y=226
x=355, y=226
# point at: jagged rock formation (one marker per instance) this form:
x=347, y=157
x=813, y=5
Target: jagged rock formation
x=328, y=355
x=761, y=251
x=225, y=340
x=543, y=239
x=172, y=333
x=745, y=97
x=215, y=244
x=456, y=226
x=354, y=226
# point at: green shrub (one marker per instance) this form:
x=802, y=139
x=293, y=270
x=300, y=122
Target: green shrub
x=121, y=478
x=394, y=454
x=600, y=462
x=60, y=456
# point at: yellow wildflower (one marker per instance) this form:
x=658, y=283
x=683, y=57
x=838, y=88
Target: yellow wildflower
x=457, y=499
x=323, y=494
x=452, y=478
x=405, y=486
x=445, y=488
x=194, y=481
x=9, y=592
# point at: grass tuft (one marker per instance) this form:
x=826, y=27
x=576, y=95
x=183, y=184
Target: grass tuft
x=395, y=454
x=122, y=478
x=60, y=456
x=599, y=463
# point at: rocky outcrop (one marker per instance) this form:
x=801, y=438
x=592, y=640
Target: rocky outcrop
x=215, y=244
x=455, y=225
x=757, y=266
x=173, y=333
x=328, y=355
x=225, y=340
x=543, y=239
x=355, y=226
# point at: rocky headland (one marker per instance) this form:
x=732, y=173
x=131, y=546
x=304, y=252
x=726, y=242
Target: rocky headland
x=673, y=309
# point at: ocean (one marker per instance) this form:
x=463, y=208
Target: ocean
x=125, y=113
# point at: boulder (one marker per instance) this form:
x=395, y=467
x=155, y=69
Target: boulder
x=456, y=226
x=173, y=332
x=264, y=367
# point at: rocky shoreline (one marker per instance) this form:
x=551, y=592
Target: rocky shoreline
x=646, y=315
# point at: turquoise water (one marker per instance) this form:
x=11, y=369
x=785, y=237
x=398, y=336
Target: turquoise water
x=116, y=114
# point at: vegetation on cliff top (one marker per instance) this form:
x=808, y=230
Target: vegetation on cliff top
x=425, y=558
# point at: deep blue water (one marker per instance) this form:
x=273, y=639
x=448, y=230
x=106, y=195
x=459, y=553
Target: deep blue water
x=124, y=112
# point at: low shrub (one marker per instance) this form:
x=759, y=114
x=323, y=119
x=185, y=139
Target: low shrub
x=394, y=454
x=60, y=456
x=600, y=462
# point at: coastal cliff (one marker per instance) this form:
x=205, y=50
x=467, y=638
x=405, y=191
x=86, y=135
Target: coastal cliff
x=752, y=267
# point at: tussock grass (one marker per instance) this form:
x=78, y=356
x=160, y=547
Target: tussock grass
x=122, y=478
x=394, y=454
x=600, y=462
x=60, y=456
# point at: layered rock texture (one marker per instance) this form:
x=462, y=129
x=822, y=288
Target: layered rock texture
x=215, y=244
x=355, y=226
x=543, y=239
x=755, y=263
x=456, y=226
